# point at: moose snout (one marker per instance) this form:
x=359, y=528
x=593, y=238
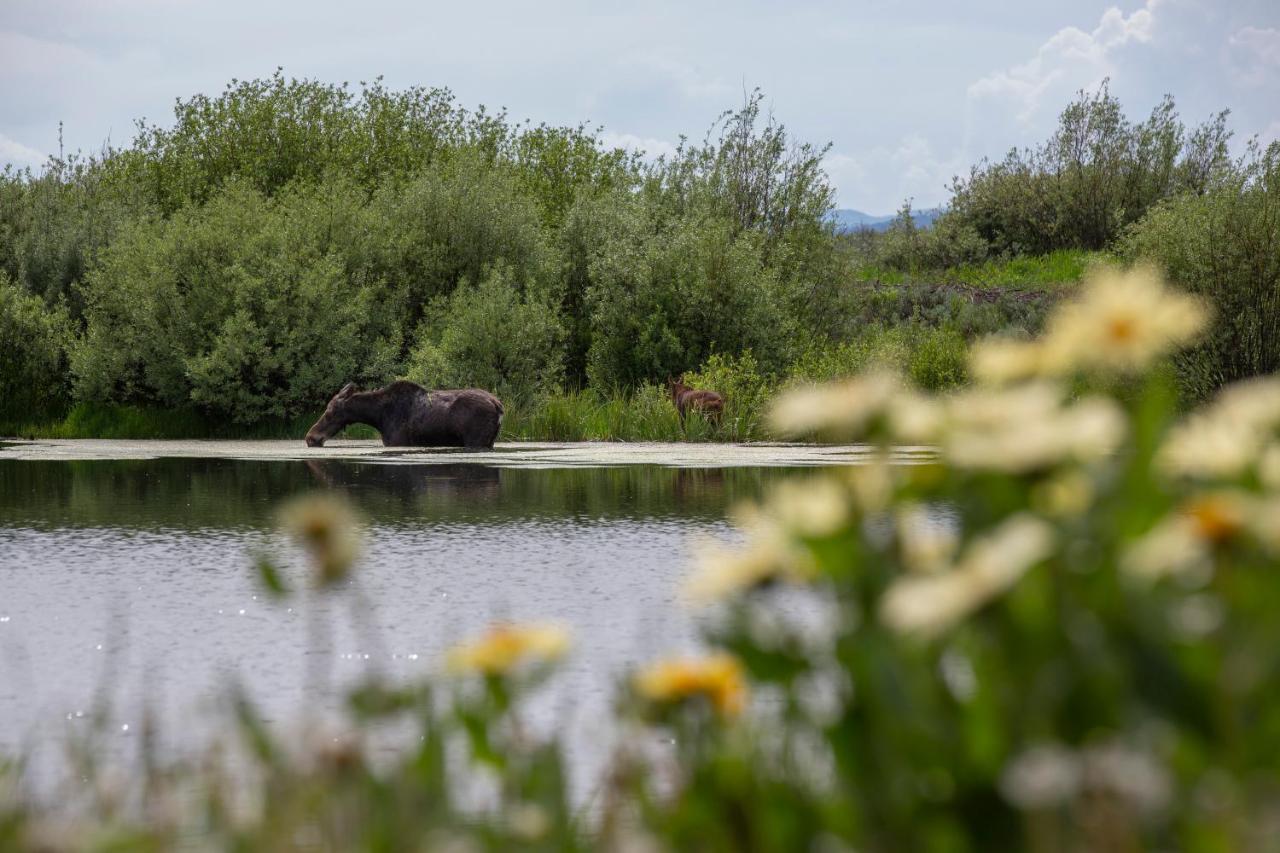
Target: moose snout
x=314, y=440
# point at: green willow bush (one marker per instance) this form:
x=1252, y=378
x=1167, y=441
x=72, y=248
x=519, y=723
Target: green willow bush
x=1224, y=244
x=495, y=335
x=236, y=306
x=1098, y=173
x=33, y=369
x=661, y=302
x=1055, y=633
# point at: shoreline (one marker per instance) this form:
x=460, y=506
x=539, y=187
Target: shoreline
x=531, y=454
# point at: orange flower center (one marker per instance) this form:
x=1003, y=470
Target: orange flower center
x=1215, y=520
x=1122, y=329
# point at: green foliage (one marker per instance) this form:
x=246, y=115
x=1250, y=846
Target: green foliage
x=934, y=357
x=747, y=172
x=939, y=359
x=1225, y=246
x=495, y=335
x=661, y=302
x=644, y=414
x=746, y=392
x=447, y=226
x=52, y=225
x=1098, y=173
x=1048, y=271
x=949, y=242
x=33, y=369
x=237, y=307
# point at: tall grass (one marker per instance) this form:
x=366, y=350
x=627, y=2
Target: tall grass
x=114, y=421
x=1057, y=268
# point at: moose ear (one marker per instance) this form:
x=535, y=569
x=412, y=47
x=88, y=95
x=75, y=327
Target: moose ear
x=347, y=390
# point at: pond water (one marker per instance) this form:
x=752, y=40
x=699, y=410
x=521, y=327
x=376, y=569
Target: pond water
x=128, y=584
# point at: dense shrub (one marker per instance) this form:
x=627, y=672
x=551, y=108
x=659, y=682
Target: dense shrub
x=933, y=357
x=662, y=301
x=748, y=171
x=450, y=225
x=1098, y=173
x=907, y=247
x=495, y=335
x=1225, y=245
x=235, y=306
x=33, y=367
x=53, y=224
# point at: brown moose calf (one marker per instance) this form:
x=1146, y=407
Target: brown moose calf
x=687, y=399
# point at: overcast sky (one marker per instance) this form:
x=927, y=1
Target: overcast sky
x=908, y=93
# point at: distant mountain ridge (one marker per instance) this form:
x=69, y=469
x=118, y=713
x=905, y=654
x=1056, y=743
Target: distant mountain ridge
x=848, y=219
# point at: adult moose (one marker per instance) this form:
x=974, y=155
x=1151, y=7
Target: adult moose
x=688, y=399
x=408, y=415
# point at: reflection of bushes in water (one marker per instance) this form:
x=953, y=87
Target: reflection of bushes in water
x=189, y=494
x=406, y=482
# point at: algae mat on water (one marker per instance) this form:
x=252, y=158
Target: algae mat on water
x=504, y=455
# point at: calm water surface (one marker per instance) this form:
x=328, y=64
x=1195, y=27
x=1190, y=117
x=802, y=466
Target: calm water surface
x=129, y=583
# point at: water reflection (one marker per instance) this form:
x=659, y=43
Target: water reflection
x=191, y=494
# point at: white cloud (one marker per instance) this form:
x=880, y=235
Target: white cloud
x=15, y=153
x=1255, y=54
x=648, y=146
x=688, y=79
x=1270, y=133
x=880, y=179
x=1072, y=57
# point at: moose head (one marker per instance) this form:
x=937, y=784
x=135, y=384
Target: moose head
x=336, y=416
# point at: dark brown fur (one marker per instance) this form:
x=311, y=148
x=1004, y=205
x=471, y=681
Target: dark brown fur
x=687, y=399
x=408, y=415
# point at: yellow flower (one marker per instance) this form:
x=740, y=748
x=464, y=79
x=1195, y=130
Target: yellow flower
x=1269, y=467
x=1228, y=437
x=770, y=556
x=505, y=647
x=841, y=407
x=1123, y=321
x=871, y=484
x=1208, y=445
x=914, y=418
x=1183, y=542
x=326, y=527
x=1066, y=495
x=927, y=545
x=1026, y=427
x=928, y=604
x=717, y=678
x=997, y=361
x=813, y=506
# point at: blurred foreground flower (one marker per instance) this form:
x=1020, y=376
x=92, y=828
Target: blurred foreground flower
x=1122, y=322
x=843, y=408
x=768, y=558
x=812, y=507
x=928, y=604
x=506, y=647
x=717, y=678
x=1229, y=436
x=1028, y=427
x=1184, y=541
x=325, y=525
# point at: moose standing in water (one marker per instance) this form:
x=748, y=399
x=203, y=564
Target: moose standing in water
x=408, y=415
x=685, y=399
